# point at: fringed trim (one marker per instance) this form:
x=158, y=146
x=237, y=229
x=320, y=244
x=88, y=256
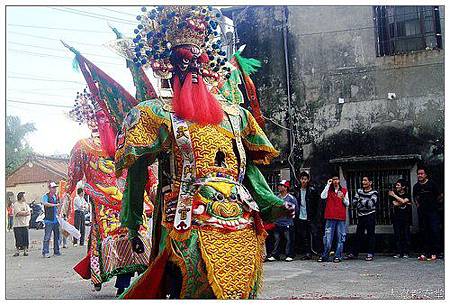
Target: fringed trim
x=271, y=152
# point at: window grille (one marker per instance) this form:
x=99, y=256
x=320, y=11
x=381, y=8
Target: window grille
x=402, y=29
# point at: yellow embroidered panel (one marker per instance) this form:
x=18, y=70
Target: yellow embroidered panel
x=233, y=261
x=207, y=141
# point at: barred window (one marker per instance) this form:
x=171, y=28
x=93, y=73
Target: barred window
x=402, y=29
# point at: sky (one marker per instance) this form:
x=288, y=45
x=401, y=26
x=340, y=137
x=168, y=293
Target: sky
x=39, y=68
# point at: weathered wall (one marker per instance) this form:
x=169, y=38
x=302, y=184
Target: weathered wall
x=260, y=28
x=332, y=55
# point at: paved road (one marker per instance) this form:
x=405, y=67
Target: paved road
x=35, y=277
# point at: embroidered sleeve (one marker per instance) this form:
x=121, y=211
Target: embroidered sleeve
x=145, y=132
x=270, y=206
x=258, y=146
x=133, y=197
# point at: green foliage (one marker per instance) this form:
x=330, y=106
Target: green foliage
x=17, y=149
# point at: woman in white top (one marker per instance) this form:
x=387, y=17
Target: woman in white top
x=22, y=214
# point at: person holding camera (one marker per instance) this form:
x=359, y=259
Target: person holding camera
x=366, y=202
x=401, y=203
x=335, y=216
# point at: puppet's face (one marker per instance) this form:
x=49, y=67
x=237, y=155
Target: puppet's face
x=218, y=204
x=186, y=59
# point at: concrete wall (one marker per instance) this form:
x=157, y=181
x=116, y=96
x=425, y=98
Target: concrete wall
x=260, y=28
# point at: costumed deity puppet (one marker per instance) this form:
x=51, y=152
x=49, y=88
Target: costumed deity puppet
x=109, y=253
x=208, y=236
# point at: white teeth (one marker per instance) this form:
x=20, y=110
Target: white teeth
x=213, y=219
x=228, y=223
x=243, y=220
x=236, y=222
x=220, y=221
x=199, y=210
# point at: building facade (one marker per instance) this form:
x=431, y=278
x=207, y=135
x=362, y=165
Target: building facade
x=360, y=88
x=33, y=177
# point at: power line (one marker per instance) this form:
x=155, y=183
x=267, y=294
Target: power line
x=57, y=56
x=37, y=93
x=94, y=15
x=46, y=79
x=54, y=39
x=131, y=21
x=59, y=50
x=56, y=28
x=44, y=89
x=119, y=12
x=38, y=104
x=48, y=111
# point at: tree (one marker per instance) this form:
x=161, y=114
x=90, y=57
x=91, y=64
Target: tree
x=17, y=149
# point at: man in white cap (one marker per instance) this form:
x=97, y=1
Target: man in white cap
x=51, y=205
x=284, y=226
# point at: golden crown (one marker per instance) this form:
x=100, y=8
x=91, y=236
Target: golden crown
x=166, y=27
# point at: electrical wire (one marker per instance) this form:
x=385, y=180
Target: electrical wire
x=36, y=93
x=43, y=89
x=59, y=50
x=56, y=28
x=57, y=56
x=54, y=39
x=94, y=15
x=275, y=123
x=25, y=108
x=46, y=79
x=38, y=104
x=118, y=12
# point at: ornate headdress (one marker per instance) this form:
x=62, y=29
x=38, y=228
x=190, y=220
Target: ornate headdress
x=83, y=111
x=166, y=27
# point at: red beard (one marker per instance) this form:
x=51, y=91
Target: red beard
x=193, y=102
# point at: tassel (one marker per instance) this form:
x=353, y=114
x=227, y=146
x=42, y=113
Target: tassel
x=248, y=65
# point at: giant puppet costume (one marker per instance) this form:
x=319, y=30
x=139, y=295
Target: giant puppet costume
x=208, y=234
x=109, y=253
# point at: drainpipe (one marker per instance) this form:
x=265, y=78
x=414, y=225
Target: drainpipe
x=288, y=89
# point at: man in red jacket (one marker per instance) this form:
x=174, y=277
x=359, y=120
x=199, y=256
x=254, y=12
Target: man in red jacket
x=335, y=215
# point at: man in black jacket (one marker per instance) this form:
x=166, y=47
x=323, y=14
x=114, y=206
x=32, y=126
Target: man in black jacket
x=308, y=218
x=428, y=199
